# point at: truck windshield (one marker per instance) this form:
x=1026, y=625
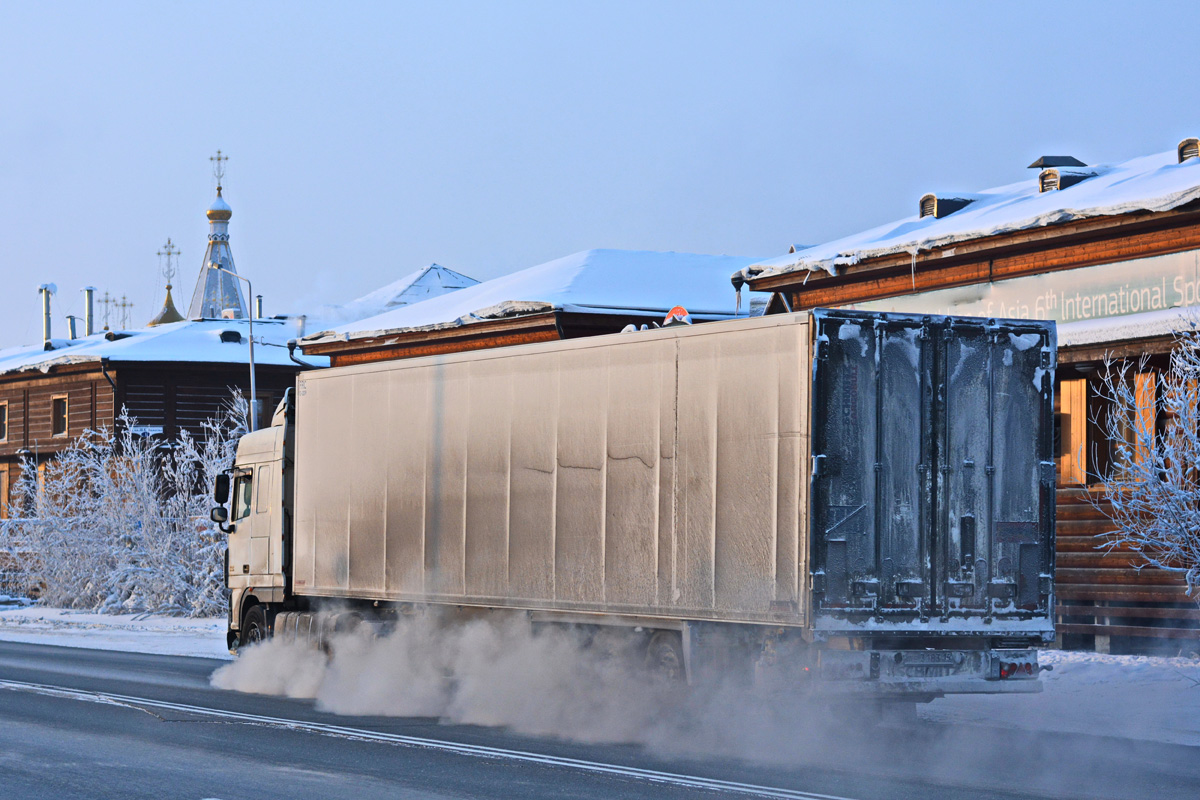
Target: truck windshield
x=243, y=491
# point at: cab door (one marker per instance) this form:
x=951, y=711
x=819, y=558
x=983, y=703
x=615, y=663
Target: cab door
x=260, y=519
x=241, y=521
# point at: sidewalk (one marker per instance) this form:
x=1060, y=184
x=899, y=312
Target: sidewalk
x=133, y=633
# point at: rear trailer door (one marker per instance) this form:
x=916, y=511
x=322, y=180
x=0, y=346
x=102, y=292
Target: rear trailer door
x=933, y=476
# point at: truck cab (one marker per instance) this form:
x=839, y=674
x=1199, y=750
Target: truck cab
x=254, y=490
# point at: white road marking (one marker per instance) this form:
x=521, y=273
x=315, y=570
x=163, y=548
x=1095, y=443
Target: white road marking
x=478, y=751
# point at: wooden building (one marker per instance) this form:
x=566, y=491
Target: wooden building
x=585, y=294
x=1112, y=253
x=171, y=375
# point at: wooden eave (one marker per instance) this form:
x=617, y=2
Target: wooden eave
x=1050, y=248
x=198, y=366
x=87, y=370
x=91, y=370
x=1119, y=349
x=541, y=327
x=410, y=344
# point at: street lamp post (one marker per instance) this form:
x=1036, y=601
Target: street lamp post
x=253, y=395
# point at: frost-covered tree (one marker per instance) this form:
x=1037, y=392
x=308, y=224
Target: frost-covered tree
x=1152, y=486
x=118, y=522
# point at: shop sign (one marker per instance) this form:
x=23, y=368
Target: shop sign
x=1108, y=290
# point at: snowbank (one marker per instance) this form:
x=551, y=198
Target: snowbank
x=135, y=633
x=1130, y=697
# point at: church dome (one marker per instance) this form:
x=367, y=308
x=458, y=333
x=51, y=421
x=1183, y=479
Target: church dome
x=219, y=211
x=168, y=314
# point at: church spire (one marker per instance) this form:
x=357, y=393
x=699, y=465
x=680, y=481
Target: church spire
x=168, y=313
x=218, y=294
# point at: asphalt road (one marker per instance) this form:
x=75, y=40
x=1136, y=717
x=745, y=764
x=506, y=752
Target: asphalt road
x=96, y=724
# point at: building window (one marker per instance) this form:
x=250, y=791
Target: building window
x=58, y=416
x=4, y=421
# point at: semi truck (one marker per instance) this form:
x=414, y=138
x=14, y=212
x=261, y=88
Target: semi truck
x=863, y=501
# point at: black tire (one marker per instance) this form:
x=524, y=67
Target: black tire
x=664, y=657
x=254, y=627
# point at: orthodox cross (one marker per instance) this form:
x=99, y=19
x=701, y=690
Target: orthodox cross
x=170, y=255
x=107, y=302
x=123, y=306
x=218, y=166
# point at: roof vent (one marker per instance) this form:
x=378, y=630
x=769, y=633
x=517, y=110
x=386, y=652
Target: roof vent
x=231, y=337
x=1060, y=178
x=113, y=336
x=1189, y=148
x=1057, y=161
x=937, y=207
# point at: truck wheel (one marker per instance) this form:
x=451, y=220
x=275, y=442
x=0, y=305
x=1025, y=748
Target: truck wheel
x=664, y=657
x=254, y=627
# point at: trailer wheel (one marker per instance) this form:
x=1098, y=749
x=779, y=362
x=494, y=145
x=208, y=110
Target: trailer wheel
x=254, y=627
x=664, y=657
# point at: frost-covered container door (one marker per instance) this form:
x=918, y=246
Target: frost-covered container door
x=932, y=498
x=872, y=433
x=996, y=494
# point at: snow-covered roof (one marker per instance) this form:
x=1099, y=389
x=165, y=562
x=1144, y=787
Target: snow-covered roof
x=432, y=281
x=593, y=281
x=1149, y=183
x=187, y=341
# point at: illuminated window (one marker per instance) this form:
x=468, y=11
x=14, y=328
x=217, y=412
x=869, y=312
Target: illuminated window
x=58, y=416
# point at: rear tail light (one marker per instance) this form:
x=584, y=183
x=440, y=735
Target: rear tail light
x=1009, y=669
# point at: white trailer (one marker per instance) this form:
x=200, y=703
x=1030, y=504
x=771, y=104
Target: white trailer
x=862, y=498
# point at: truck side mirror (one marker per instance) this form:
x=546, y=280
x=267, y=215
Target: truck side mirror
x=221, y=489
x=219, y=515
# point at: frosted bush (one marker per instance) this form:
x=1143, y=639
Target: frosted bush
x=118, y=522
x=1153, y=487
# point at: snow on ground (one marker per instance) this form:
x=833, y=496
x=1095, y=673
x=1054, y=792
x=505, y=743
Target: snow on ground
x=1132, y=697
x=135, y=633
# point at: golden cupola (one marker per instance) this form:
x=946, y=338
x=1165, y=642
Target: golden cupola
x=219, y=211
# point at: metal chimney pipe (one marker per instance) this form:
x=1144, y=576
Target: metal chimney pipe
x=258, y=306
x=88, y=319
x=46, y=289
x=72, y=325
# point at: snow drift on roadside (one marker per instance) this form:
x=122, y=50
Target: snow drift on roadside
x=134, y=633
x=1133, y=697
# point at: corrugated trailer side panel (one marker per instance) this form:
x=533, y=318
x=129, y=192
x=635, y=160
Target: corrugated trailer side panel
x=660, y=473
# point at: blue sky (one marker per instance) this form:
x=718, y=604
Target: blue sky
x=367, y=140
